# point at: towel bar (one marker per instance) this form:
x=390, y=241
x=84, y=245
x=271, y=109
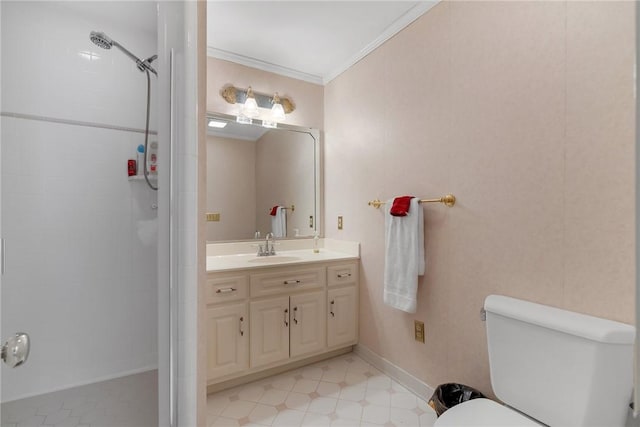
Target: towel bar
x=292, y=208
x=449, y=200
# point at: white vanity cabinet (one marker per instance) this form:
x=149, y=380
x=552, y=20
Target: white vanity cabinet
x=228, y=340
x=342, y=300
x=263, y=318
x=342, y=316
x=269, y=331
x=308, y=325
x=287, y=327
x=227, y=325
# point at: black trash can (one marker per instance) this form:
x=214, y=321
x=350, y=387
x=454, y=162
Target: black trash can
x=449, y=395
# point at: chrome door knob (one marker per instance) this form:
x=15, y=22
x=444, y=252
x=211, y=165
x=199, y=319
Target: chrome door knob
x=16, y=350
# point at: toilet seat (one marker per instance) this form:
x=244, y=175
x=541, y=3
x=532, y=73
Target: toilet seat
x=483, y=412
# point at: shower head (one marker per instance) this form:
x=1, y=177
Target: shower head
x=100, y=39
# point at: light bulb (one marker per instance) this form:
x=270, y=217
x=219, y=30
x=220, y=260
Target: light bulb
x=250, y=108
x=277, y=112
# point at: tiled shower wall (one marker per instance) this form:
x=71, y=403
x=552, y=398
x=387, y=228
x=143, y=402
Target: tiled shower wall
x=81, y=239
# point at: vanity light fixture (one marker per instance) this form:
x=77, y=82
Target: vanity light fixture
x=251, y=102
x=217, y=124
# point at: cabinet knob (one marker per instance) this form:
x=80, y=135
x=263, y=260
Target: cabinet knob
x=295, y=312
x=343, y=275
x=286, y=317
x=292, y=282
x=241, y=326
x=225, y=290
x=331, y=310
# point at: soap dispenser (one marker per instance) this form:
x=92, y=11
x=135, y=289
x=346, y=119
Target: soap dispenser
x=316, y=243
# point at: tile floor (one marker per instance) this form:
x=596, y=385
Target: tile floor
x=343, y=391
x=130, y=401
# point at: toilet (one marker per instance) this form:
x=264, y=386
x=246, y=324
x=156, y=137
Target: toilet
x=551, y=367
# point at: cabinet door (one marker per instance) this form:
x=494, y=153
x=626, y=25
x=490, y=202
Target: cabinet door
x=269, y=331
x=227, y=340
x=307, y=323
x=342, y=315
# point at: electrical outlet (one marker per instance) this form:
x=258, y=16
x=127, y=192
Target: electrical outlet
x=418, y=330
x=340, y=223
x=213, y=216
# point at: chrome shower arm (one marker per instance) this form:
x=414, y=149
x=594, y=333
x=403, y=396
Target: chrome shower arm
x=142, y=65
x=125, y=51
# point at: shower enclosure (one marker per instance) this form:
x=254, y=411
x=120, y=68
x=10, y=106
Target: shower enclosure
x=87, y=265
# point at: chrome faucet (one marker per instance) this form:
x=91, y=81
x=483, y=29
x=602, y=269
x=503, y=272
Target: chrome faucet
x=271, y=250
x=268, y=249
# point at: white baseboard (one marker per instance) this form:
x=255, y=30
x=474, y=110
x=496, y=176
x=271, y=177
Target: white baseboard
x=254, y=376
x=413, y=384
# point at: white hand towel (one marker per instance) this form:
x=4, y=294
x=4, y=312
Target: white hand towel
x=404, y=256
x=279, y=222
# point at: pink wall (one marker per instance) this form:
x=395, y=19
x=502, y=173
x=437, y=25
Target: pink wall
x=524, y=111
x=307, y=97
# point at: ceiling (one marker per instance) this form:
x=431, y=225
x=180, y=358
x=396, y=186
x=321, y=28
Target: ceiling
x=313, y=41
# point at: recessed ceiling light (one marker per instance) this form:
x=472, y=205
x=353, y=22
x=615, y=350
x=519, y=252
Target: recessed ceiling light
x=217, y=124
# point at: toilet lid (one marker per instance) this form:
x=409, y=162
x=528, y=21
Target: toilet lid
x=483, y=412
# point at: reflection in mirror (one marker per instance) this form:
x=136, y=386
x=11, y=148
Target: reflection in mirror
x=251, y=169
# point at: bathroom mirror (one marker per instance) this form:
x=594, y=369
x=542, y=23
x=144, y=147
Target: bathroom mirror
x=251, y=169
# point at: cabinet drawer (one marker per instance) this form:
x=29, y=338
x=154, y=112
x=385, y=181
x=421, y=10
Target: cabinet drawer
x=263, y=284
x=342, y=274
x=224, y=289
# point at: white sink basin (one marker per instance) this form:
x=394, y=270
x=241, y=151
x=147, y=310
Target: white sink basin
x=273, y=259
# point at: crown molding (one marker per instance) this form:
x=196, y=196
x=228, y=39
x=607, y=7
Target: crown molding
x=264, y=66
x=398, y=25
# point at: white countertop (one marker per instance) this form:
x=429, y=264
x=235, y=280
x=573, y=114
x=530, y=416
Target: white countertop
x=218, y=258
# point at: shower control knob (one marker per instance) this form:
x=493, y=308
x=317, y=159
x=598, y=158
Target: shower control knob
x=16, y=350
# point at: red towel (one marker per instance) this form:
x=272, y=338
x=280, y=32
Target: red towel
x=401, y=206
x=273, y=210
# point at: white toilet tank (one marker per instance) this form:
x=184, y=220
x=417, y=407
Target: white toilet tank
x=559, y=367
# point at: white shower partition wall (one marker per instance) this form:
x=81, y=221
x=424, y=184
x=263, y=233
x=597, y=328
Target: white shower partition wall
x=2, y=253
x=636, y=392
x=180, y=216
x=82, y=239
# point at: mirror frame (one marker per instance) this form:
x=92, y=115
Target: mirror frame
x=318, y=175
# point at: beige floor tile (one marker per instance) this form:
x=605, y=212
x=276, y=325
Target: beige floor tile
x=344, y=391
